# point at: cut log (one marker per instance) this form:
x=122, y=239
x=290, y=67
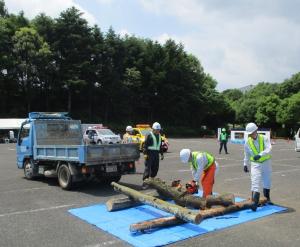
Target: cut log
x=156, y=223
x=180, y=212
x=180, y=196
x=124, y=202
x=209, y=213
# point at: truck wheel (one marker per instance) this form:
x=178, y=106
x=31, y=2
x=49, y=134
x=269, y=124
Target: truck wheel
x=64, y=177
x=29, y=169
x=99, y=142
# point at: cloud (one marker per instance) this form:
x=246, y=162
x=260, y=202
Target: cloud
x=52, y=8
x=238, y=42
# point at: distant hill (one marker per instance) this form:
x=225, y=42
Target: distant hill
x=246, y=88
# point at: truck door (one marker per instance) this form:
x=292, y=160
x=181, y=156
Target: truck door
x=24, y=144
x=297, y=141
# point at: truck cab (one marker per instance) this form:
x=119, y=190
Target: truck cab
x=51, y=145
x=297, y=141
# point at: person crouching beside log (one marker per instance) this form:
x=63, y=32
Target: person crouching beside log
x=202, y=164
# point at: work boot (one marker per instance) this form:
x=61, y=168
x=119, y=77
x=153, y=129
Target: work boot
x=267, y=195
x=255, y=199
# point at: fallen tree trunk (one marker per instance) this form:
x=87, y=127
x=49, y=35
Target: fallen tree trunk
x=181, y=197
x=156, y=223
x=205, y=214
x=180, y=212
x=124, y=202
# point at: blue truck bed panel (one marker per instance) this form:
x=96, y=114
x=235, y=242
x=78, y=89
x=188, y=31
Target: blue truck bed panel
x=88, y=155
x=66, y=153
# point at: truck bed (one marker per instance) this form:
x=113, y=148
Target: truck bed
x=88, y=154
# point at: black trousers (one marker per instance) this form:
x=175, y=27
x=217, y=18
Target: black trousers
x=151, y=164
x=223, y=143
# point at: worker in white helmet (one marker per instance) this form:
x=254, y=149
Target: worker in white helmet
x=203, y=166
x=152, y=149
x=257, y=151
x=127, y=137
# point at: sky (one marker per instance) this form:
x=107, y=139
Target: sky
x=238, y=42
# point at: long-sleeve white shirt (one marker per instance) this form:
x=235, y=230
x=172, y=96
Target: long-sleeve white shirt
x=248, y=152
x=202, y=162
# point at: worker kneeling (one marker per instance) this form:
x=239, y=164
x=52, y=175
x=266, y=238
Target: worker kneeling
x=202, y=164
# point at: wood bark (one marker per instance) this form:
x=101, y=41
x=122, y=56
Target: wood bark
x=180, y=196
x=124, y=202
x=205, y=214
x=180, y=212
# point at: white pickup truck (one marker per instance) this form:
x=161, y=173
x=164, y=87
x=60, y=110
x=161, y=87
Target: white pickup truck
x=297, y=141
x=100, y=135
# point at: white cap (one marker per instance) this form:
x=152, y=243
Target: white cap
x=185, y=155
x=156, y=126
x=250, y=128
x=129, y=128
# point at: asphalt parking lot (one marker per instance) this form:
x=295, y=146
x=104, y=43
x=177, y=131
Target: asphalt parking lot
x=35, y=213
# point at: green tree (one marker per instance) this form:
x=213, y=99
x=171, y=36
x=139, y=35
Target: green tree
x=289, y=86
x=29, y=49
x=289, y=111
x=266, y=111
x=72, y=49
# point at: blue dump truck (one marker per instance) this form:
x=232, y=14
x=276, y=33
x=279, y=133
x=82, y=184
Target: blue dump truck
x=51, y=145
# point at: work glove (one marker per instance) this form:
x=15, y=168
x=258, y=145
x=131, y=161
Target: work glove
x=256, y=157
x=246, y=169
x=145, y=156
x=162, y=157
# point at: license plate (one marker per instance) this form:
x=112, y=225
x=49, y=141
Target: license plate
x=111, y=168
x=41, y=170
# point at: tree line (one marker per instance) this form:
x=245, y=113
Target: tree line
x=64, y=64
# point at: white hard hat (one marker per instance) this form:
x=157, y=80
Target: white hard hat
x=129, y=128
x=250, y=128
x=156, y=126
x=89, y=128
x=185, y=155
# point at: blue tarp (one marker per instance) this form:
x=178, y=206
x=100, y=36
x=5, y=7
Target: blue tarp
x=117, y=223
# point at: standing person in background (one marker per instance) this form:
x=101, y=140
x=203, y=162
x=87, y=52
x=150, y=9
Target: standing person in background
x=127, y=137
x=203, y=166
x=223, y=138
x=257, y=151
x=152, y=149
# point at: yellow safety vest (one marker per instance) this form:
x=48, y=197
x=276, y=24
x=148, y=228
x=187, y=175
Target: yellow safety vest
x=209, y=157
x=261, y=148
x=155, y=144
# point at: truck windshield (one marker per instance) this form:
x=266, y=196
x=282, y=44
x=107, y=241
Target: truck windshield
x=58, y=132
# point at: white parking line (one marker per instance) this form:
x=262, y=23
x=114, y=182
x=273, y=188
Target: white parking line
x=36, y=210
x=23, y=190
x=107, y=243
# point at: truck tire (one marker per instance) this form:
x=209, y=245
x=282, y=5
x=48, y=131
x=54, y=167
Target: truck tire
x=29, y=169
x=99, y=142
x=64, y=177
